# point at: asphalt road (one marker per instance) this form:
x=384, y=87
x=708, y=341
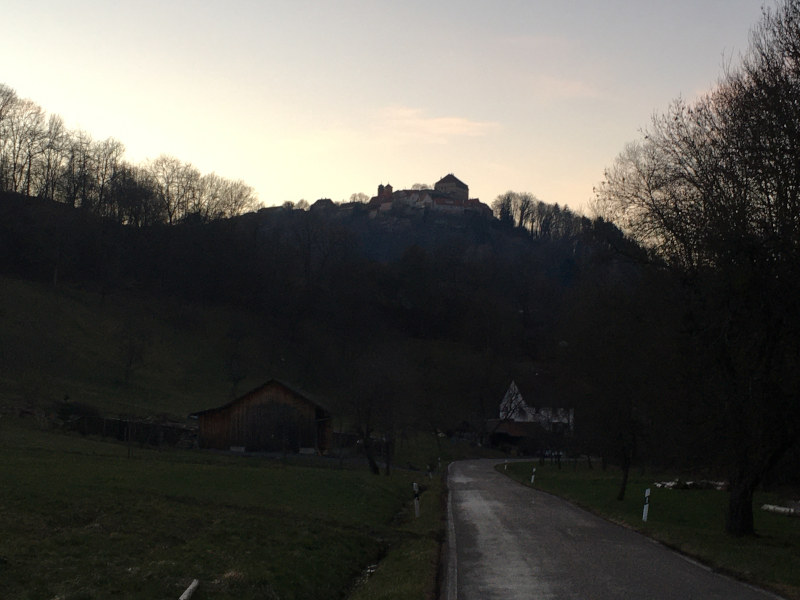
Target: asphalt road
x=508, y=541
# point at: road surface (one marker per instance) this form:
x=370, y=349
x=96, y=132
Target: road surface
x=507, y=541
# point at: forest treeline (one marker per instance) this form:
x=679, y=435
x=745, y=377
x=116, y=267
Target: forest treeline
x=40, y=156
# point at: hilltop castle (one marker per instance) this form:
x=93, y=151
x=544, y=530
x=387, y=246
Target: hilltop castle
x=449, y=195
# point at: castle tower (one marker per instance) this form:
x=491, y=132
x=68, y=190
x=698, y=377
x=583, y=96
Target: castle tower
x=453, y=187
x=385, y=191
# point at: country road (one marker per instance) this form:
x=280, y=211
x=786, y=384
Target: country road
x=507, y=541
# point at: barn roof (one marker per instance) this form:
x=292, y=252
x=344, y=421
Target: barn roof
x=271, y=383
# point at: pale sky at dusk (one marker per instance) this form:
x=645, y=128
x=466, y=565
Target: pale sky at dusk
x=321, y=99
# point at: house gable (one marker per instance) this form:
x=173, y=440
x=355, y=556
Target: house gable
x=513, y=408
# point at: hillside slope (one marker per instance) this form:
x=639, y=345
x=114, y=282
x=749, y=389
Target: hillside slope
x=125, y=355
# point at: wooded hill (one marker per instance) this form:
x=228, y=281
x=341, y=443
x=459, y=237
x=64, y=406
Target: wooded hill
x=429, y=316
x=402, y=322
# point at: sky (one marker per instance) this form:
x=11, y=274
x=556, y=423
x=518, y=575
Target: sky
x=309, y=99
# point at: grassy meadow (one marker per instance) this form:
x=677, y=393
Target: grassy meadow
x=79, y=519
x=691, y=521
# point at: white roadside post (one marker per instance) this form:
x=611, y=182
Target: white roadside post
x=190, y=590
x=533, y=475
x=416, y=500
x=646, y=505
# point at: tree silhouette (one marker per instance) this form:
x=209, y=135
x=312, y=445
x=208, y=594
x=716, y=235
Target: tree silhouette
x=713, y=189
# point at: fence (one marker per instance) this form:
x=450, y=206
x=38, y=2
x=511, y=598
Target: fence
x=143, y=433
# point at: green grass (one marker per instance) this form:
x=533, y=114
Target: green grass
x=410, y=567
x=691, y=521
x=79, y=519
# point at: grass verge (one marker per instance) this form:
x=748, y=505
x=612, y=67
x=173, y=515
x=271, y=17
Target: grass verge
x=690, y=521
x=409, y=569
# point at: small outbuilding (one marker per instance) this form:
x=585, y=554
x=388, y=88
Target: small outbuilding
x=271, y=418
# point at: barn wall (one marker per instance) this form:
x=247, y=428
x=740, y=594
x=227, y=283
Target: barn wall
x=270, y=418
x=214, y=430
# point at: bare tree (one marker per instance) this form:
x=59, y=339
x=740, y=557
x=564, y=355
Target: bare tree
x=134, y=197
x=237, y=198
x=502, y=207
x=107, y=162
x=173, y=181
x=23, y=133
x=76, y=183
x=359, y=197
x=52, y=158
x=712, y=189
x=38, y=155
x=517, y=208
x=8, y=99
x=522, y=207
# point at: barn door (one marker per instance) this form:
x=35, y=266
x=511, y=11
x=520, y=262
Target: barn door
x=272, y=427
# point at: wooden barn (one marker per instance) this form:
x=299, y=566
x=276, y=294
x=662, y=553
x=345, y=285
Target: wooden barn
x=271, y=418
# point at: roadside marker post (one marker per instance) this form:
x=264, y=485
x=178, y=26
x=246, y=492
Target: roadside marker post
x=646, y=505
x=533, y=475
x=416, y=500
x=190, y=590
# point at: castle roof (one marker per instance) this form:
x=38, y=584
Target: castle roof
x=450, y=178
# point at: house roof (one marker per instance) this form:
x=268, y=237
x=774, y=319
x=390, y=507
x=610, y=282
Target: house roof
x=270, y=383
x=323, y=203
x=450, y=178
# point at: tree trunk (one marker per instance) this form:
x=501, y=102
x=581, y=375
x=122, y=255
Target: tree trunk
x=373, y=466
x=436, y=437
x=626, y=467
x=388, y=449
x=739, y=521
x=746, y=476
